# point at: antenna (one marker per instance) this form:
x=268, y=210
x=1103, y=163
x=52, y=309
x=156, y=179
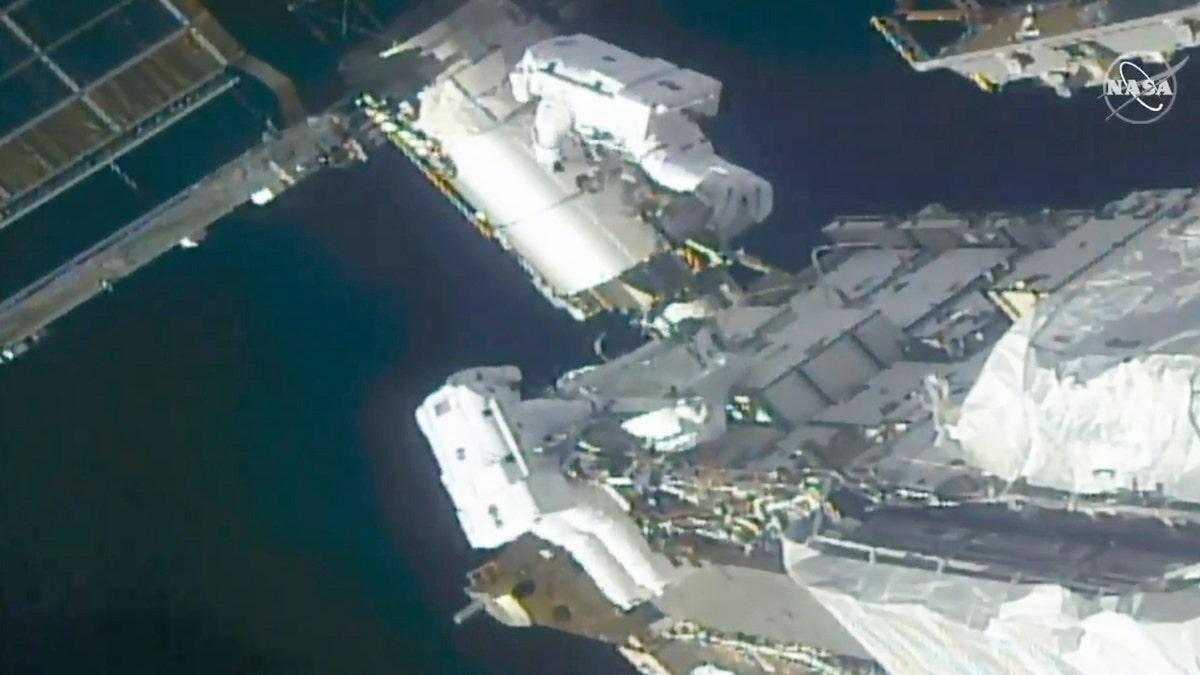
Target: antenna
x=337, y=21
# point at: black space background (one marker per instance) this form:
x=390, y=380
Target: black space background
x=215, y=469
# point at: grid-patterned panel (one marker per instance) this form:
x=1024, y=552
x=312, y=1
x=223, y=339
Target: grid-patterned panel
x=26, y=85
x=78, y=76
x=112, y=38
x=48, y=28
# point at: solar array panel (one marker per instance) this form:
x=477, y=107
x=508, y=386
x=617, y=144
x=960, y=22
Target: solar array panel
x=84, y=81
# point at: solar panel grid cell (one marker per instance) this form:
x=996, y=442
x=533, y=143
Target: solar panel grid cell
x=48, y=23
x=116, y=38
x=78, y=77
x=27, y=92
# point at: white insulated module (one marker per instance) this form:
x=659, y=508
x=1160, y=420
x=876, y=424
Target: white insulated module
x=585, y=161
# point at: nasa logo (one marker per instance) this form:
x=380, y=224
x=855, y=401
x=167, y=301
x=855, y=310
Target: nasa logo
x=1136, y=96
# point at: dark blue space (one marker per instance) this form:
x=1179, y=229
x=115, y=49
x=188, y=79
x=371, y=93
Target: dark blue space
x=215, y=468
